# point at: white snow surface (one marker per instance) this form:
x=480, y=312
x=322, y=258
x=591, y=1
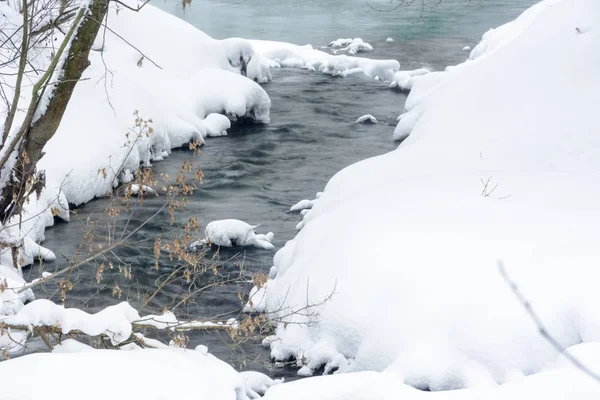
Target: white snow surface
x=216, y=124
x=404, y=79
x=302, y=205
x=499, y=165
x=151, y=374
x=233, y=232
x=559, y=382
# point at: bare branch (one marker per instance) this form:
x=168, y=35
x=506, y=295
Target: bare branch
x=542, y=328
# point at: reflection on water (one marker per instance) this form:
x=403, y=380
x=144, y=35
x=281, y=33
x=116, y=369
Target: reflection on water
x=317, y=22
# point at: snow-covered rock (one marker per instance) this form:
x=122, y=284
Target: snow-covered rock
x=367, y=118
x=302, y=205
x=404, y=79
x=216, y=124
x=399, y=256
x=233, y=232
x=350, y=46
x=293, y=56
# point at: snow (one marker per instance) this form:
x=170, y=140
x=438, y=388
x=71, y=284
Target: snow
x=135, y=189
x=559, y=382
x=216, y=124
x=233, y=232
x=389, y=40
x=396, y=265
x=302, y=205
x=350, y=46
x=11, y=282
x=404, y=80
x=294, y=56
x=168, y=373
x=367, y=118
x=114, y=322
x=466, y=48
x=256, y=300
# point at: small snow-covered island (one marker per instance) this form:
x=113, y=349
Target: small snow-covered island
x=198, y=202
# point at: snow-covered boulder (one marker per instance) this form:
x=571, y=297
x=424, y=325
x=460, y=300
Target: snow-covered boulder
x=366, y=119
x=404, y=79
x=233, y=232
x=216, y=124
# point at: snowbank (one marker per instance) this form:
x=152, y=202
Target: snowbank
x=293, y=56
x=560, y=382
x=141, y=374
x=404, y=247
x=404, y=79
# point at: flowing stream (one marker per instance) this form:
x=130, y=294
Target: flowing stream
x=258, y=171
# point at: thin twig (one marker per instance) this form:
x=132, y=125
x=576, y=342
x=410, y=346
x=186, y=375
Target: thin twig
x=542, y=328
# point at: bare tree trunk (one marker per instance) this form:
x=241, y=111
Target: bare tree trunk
x=40, y=132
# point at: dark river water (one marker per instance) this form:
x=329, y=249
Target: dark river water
x=258, y=171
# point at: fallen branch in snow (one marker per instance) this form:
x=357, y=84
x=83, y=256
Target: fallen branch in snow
x=542, y=328
x=179, y=326
x=57, y=332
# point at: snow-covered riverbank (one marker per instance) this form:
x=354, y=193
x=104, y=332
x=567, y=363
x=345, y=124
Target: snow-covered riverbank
x=497, y=167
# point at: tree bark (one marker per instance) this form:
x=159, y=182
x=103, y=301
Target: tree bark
x=41, y=131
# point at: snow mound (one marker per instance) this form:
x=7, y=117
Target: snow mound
x=233, y=232
x=350, y=46
x=216, y=124
x=293, y=56
x=302, y=205
x=368, y=118
x=397, y=261
x=404, y=80
x=562, y=382
x=205, y=376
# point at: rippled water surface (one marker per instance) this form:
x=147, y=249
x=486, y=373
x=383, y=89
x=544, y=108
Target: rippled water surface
x=258, y=171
